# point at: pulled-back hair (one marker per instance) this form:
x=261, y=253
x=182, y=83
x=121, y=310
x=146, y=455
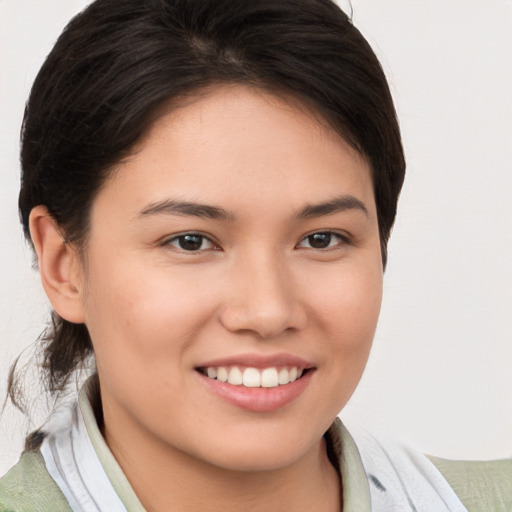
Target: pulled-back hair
x=118, y=61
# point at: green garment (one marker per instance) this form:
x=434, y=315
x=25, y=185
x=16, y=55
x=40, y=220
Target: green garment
x=28, y=487
x=481, y=486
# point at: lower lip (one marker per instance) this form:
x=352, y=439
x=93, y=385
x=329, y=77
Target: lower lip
x=258, y=399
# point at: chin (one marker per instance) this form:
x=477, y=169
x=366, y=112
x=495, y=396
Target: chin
x=256, y=459
x=261, y=451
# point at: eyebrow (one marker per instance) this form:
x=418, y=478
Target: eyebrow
x=187, y=208
x=205, y=211
x=338, y=204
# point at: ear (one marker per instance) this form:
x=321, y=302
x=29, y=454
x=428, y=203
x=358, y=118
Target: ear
x=59, y=265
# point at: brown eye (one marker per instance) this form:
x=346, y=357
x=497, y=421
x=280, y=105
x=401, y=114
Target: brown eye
x=190, y=242
x=319, y=240
x=322, y=240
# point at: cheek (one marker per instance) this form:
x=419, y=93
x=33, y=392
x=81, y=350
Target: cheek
x=349, y=301
x=143, y=316
x=347, y=310
x=355, y=314
x=141, y=324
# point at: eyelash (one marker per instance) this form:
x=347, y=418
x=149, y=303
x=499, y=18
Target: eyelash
x=178, y=241
x=341, y=240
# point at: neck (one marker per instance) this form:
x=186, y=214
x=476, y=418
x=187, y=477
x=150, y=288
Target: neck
x=166, y=479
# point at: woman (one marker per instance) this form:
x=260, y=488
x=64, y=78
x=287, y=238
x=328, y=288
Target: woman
x=209, y=188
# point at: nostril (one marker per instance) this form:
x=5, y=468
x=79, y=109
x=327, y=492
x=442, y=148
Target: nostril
x=267, y=320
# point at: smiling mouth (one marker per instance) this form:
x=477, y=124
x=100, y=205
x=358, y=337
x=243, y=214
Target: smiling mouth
x=250, y=377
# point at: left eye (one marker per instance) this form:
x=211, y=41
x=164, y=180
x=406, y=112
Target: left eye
x=191, y=242
x=322, y=240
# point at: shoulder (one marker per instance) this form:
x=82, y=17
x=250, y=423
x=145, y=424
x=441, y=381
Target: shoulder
x=29, y=487
x=404, y=475
x=480, y=485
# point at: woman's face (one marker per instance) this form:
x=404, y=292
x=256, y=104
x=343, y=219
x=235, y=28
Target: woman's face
x=240, y=240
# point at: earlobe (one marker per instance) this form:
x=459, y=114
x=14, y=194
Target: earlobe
x=58, y=265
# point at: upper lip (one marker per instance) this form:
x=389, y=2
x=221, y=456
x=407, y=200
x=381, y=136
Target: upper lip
x=258, y=361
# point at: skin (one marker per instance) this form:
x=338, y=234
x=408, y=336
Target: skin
x=156, y=312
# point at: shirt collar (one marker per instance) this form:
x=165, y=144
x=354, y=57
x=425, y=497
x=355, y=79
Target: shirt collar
x=341, y=447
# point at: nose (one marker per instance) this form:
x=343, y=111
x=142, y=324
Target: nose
x=263, y=299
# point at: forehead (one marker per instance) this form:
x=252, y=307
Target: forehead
x=240, y=144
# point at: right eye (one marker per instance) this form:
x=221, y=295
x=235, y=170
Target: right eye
x=190, y=242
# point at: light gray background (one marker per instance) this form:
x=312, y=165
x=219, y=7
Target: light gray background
x=440, y=372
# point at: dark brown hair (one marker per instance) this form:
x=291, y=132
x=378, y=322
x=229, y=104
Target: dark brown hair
x=118, y=61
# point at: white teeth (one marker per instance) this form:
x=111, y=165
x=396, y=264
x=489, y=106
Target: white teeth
x=283, y=377
x=269, y=378
x=235, y=376
x=222, y=374
x=253, y=377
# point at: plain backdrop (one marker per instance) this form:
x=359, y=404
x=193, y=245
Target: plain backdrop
x=440, y=372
